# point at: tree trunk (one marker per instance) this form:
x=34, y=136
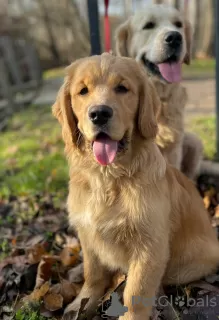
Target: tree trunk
x=205, y=27
x=197, y=23
x=46, y=20
x=208, y=34
x=177, y=4
x=211, y=49
x=158, y=1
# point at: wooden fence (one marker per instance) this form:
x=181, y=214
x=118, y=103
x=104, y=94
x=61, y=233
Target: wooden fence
x=20, y=76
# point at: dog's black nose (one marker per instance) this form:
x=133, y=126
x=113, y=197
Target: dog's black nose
x=100, y=115
x=173, y=39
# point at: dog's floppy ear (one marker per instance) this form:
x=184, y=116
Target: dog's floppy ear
x=149, y=104
x=122, y=39
x=63, y=111
x=188, y=30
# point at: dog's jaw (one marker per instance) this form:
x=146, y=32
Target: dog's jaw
x=154, y=70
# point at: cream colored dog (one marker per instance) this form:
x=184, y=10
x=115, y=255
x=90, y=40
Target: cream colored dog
x=134, y=213
x=160, y=38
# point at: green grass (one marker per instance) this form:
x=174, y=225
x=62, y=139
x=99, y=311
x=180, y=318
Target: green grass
x=54, y=73
x=31, y=154
x=30, y=312
x=198, y=68
x=205, y=128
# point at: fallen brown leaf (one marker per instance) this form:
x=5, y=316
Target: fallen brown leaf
x=35, y=253
x=216, y=214
x=38, y=293
x=45, y=313
x=207, y=201
x=44, y=270
x=34, y=240
x=69, y=256
x=59, y=240
x=66, y=289
x=18, y=261
x=204, y=285
x=209, y=194
x=212, y=278
x=53, y=301
x=72, y=242
x=76, y=274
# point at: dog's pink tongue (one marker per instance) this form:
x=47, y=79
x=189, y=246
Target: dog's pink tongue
x=105, y=150
x=172, y=72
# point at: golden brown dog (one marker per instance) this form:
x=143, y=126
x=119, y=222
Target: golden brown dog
x=134, y=213
x=160, y=38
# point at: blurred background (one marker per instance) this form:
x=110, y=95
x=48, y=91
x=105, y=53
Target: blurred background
x=59, y=29
x=38, y=39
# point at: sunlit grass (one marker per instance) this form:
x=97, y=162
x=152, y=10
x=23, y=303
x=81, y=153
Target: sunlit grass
x=205, y=128
x=198, y=67
x=31, y=154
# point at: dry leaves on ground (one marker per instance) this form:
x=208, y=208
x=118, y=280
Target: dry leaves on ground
x=41, y=261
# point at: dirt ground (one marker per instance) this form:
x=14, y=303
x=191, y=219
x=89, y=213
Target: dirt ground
x=201, y=97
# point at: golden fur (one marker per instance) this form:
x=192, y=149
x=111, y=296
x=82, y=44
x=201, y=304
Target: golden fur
x=132, y=41
x=138, y=215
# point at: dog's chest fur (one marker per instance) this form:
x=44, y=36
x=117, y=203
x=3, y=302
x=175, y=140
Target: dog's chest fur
x=112, y=214
x=171, y=113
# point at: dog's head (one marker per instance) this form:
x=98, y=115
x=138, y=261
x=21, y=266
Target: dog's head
x=104, y=102
x=160, y=38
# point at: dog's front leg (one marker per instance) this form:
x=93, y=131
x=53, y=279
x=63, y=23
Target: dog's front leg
x=97, y=280
x=143, y=281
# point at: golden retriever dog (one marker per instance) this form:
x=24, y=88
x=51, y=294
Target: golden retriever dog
x=133, y=212
x=160, y=38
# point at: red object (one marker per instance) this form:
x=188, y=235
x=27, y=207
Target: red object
x=107, y=27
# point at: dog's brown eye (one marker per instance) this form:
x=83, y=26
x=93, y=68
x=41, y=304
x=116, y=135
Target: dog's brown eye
x=121, y=89
x=178, y=24
x=83, y=91
x=149, y=25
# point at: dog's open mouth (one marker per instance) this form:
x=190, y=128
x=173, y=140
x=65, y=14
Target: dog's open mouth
x=169, y=70
x=105, y=149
